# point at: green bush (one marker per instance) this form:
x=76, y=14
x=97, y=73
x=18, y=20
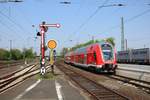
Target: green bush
x=28, y=53
x=16, y=54
x=4, y=54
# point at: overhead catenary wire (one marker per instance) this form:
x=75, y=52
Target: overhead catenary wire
x=11, y=29
x=127, y=21
x=25, y=17
x=17, y=24
x=23, y=14
x=137, y=16
x=3, y=35
x=4, y=24
x=88, y=19
x=2, y=32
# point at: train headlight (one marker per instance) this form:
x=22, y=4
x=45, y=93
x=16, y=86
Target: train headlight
x=100, y=66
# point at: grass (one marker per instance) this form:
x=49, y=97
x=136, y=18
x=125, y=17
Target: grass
x=49, y=76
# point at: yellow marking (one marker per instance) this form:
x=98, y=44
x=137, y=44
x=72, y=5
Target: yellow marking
x=51, y=57
x=52, y=44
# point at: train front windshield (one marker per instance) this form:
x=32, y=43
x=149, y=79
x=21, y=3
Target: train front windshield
x=107, y=52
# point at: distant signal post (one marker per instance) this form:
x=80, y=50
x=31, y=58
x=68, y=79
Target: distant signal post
x=43, y=30
x=52, y=45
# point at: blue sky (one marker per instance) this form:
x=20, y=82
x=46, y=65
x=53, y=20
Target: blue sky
x=16, y=20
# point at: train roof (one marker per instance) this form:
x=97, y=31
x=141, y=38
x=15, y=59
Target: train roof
x=104, y=42
x=135, y=49
x=83, y=49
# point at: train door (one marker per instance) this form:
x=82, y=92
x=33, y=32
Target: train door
x=90, y=55
x=85, y=58
x=94, y=57
x=89, y=58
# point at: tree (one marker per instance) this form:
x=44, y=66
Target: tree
x=4, y=54
x=28, y=53
x=111, y=40
x=16, y=54
x=64, y=51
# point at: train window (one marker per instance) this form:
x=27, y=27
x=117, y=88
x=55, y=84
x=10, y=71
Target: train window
x=106, y=47
x=123, y=53
x=135, y=52
x=143, y=52
x=82, y=50
x=107, y=52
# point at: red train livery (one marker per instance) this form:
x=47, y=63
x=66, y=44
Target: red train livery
x=100, y=57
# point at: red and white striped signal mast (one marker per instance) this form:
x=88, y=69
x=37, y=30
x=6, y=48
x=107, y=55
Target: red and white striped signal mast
x=43, y=30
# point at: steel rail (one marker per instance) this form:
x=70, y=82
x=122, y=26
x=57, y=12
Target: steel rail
x=20, y=78
x=136, y=82
x=12, y=73
x=11, y=64
x=5, y=81
x=97, y=91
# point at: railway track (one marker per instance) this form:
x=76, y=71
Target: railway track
x=14, y=78
x=138, y=83
x=2, y=66
x=97, y=91
x=6, y=64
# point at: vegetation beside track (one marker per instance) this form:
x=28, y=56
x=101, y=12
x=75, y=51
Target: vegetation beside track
x=49, y=76
x=16, y=54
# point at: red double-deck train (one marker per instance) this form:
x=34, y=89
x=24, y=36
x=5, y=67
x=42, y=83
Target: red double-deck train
x=99, y=56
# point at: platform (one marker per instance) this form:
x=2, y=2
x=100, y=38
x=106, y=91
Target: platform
x=57, y=88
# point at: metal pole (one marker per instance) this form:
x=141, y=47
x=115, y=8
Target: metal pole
x=10, y=49
x=93, y=39
x=122, y=34
x=42, y=45
x=126, y=44
x=51, y=57
x=10, y=44
x=52, y=61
